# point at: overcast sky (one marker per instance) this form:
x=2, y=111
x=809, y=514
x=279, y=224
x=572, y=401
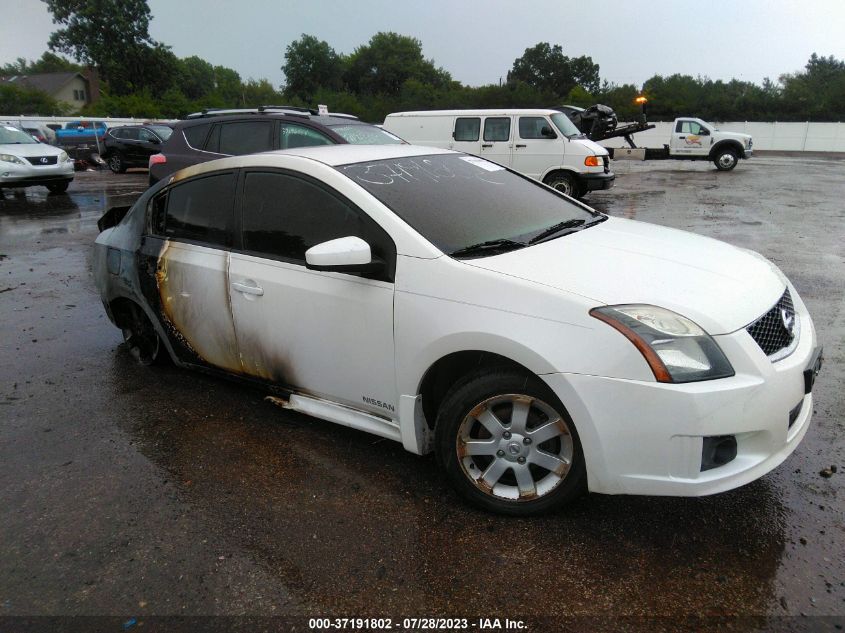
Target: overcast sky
x=477, y=40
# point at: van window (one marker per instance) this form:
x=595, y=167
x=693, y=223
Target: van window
x=497, y=129
x=467, y=129
x=531, y=127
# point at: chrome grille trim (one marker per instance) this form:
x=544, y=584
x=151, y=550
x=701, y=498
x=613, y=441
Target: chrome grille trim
x=771, y=333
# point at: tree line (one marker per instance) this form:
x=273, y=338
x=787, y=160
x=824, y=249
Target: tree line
x=143, y=78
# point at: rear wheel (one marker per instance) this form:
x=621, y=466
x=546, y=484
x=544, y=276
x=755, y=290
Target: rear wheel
x=116, y=163
x=564, y=182
x=726, y=159
x=141, y=338
x=58, y=187
x=508, y=445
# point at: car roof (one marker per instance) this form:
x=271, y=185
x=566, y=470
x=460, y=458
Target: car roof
x=328, y=121
x=331, y=155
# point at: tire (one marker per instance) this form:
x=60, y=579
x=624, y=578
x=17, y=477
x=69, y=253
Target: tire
x=563, y=182
x=525, y=466
x=116, y=163
x=726, y=159
x=58, y=187
x=141, y=338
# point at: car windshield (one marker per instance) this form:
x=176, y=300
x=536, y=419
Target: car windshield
x=358, y=134
x=163, y=131
x=458, y=201
x=566, y=127
x=13, y=135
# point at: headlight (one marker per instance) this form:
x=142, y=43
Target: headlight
x=63, y=157
x=676, y=349
x=8, y=158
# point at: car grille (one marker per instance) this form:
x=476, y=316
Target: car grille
x=776, y=332
x=42, y=160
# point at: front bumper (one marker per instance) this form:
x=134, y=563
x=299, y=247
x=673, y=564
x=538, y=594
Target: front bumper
x=749, y=153
x=647, y=437
x=595, y=182
x=14, y=175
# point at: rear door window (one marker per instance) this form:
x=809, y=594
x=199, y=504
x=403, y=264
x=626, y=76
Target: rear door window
x=196, y=135
x=202, y=210
x=245, y=137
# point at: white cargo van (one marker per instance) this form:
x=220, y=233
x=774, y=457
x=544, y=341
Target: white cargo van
x=542, y=144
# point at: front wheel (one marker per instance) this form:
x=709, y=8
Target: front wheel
x=58, y=187
x=116, y=163
x=726, y=159
x=563, y=182
x=507, y=444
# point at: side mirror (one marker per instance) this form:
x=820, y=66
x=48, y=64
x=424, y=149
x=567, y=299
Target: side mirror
x=343, y=255
x=547, y=132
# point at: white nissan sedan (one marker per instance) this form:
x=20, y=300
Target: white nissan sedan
x=538, y=347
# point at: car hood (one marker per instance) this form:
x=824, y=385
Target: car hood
x=29, y=149
x=721, y=287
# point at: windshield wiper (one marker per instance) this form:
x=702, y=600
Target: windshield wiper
x=503, y=244
x=556, y=228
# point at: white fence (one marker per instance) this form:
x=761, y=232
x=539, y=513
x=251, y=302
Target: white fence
x=796, y=137
x=61, y=120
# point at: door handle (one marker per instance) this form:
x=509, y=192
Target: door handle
x=520, y=145
x=682, y=137
x=247, y=289
x=487, y=145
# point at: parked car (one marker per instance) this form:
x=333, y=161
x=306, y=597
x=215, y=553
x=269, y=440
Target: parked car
x=39, y=131
x=25, y=162
x=217, y=133
x=132, y=145
x=542, y=144
x=538, y=347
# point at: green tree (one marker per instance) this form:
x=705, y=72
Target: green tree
x=387, y=61
x=227, y=86
x=817, y=93
x=25, y=101
x=48, y=63
x=545, y=67
x=311, y=64
x=195, y=77
x=112, y=35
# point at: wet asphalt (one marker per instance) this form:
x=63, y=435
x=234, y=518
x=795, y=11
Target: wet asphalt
x=132, y=491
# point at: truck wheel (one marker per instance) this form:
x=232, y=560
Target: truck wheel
x=564, y=182
x=116, y=163
x=726, y=159
x=507, y=444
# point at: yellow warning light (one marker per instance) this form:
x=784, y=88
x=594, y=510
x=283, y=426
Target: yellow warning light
x=640, y=100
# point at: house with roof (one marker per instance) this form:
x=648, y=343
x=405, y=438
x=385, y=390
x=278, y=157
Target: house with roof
x=75, y=89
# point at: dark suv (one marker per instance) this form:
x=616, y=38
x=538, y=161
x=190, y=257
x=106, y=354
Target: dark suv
x=218, y=133
x=132, y=145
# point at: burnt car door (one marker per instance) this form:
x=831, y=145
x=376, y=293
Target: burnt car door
x=183, y=267
x=329, y=334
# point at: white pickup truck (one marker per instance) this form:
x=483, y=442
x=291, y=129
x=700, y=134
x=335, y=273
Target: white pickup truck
x=694, y=139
